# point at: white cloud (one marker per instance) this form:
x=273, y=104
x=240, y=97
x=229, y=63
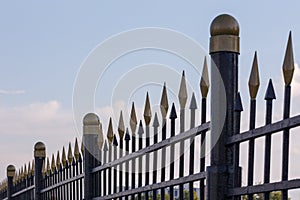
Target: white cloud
x=12, y=92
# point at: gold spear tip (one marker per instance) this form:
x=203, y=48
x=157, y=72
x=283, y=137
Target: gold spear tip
x=288, y=63
x=70, y=155
x=182, y=94
x=224, y=24
x=58, y=161
x=110, y=134
x=133, y=119
x=76, y=150
x=164, y=105
x=254, y=81
x=147, y=110
x=91, y=119
x=204, y=82
x=53, y=163
x=44, y=169
x=48, y=166
x=64, y=158
x=121, y=126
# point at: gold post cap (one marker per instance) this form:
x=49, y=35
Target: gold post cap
x=40, y=150
x=224, y=31
x=10, y=170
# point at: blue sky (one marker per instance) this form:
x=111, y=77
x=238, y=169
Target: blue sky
x=43, y=44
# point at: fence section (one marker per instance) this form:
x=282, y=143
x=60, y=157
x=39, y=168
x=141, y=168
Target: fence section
x=148, y=159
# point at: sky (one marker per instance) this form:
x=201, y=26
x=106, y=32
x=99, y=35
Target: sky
x=44, y=44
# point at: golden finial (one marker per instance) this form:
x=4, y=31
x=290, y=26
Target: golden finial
x=64, y=158
x=100, y=137
x=254, y=82
x=133, y=119
x=58, y=161
x=204, y=82
x=70, y=155
x=21, y=173
x=76, y=150
x=53, y=167
x=288, y=63
x=182, y=95
x=121, y=126
x=164, y=105
x=110, y=133
x=147, y=111
x=44, y=169
x=48, y=166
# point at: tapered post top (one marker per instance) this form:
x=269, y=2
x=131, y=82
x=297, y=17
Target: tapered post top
x=40, y=150
x=224, y=31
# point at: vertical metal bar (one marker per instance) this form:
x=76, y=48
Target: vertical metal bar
x=193, y=107
x=39, y=158
x=105, y=149
x=270, y=96
x=133, y=165
x=109, y=169
x=286, y=140
x=147, y=163
x=120, y=167
x=181, y=150
x=127, y=139
x=173, y=117
x=140, y=159
x=155, y=140
x=251, y=146
x=203, y=146
x=163, y=158
x=115, y=152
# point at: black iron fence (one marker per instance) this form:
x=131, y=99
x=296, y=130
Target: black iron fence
x=133, y=165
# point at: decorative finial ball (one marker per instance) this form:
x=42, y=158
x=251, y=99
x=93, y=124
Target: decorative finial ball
x=10, y=170
x=39, y=146
x=91, y=119
x=224, y=25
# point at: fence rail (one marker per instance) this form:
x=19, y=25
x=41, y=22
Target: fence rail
x=129, y=164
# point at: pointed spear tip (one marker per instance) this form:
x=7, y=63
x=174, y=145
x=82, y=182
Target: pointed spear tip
x=110, y=134
x=76, y=150
x=105, y=147
x=155, y=121
x=193, y=104
x=288, y=63
x=173, y=114
x=141, y=129
x=127, y=136
x=164, y=105
x=115, y=141
x=238, y=106
x=183, y=73
x=133, y=119
x=147, y=110
x=254, y=81
x=182, y=94
x=270, y=93
x=121, y=126
x=204, y=82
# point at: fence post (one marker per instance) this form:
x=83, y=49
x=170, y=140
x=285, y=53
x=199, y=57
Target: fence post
x=39, y=158
x=91, y=129
x=10, y=172
x=224, y=51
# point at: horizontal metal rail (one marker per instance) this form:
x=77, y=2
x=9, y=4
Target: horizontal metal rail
x=64, y=182
x=182, y=180
x=23, y=191
x=265, y=130
x=268, y=187
x=155, y=147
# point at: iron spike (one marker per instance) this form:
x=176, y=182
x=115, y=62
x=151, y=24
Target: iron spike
x=270, y=93
x=121, y=126
x=141, y=129
x=173, y=114
x=288, y=63
x=115, y=141
x=82, y=146
x=48, y=166
x=25, y=171
x=164, y=105
x=110, y=134
x=127, y=135
x=204, y=82
x=147, y=111
x=44, y=169
x=193, y=104
x=105, y=147
x=155, y=121
x=53, y=164
x=133, y=119
x=238, y=106
x=254, y=81
x=182, y=95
